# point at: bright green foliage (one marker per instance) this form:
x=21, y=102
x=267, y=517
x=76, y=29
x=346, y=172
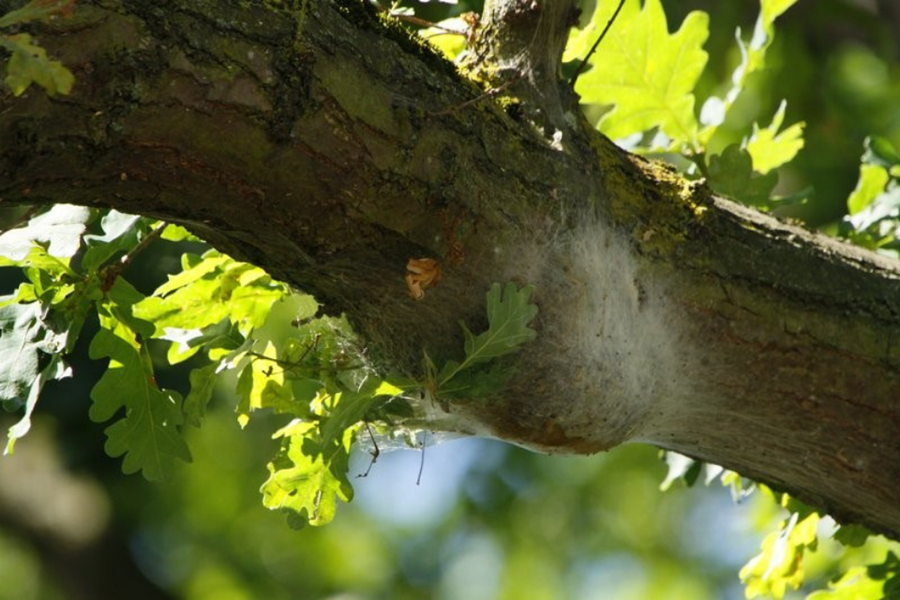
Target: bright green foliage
x=262, y=385
x=45, y=317
x=310, y=473
x=753, y=59
x=317, y=378
x=771, y=148
x=28, y=62
x=307, y=478
x=148, y=433
x=732, y=175
x=509, y=314
x=874, y=205
x=855, y=584
x=780, y=564
x=875, y=582
x=211, y=288
x=872, y=181
x=649, y=76
x=646, y=72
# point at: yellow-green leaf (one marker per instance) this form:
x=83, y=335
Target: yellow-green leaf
x=872, y=180
x=647, y=73
x=770, y=148
x=303, y=480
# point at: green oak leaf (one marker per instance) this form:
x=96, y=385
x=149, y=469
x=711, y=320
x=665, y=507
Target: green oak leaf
x=509, y=313
x=874, y=205
x=261, y=384
x=148, y=433
x=879, y=151
x=732, y=175
x=779, y=565
x=854, y=584
x=647, y=73
x=177, y=233
x=852, y=535
x=872, y=181
x=302, y=480
x=211, y=288
x=770, y=148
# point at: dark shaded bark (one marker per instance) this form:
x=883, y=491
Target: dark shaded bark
x=330, y=148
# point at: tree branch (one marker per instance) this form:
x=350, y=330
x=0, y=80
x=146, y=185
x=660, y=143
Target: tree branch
x=317, y=145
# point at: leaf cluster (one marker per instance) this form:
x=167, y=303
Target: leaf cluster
x=874, y=205
x=644, y=78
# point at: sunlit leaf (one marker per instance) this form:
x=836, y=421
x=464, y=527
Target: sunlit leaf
x=855, y=584
x=262, y=385
x=209, y=289
x=780, y=564
x=148, y=433
x=770, y=148
x=753, y=59
x=302, y=480
x=872, y=181
x=59, y=230
x=647, y=73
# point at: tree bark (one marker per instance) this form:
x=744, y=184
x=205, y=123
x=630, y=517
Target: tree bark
x=329, y=146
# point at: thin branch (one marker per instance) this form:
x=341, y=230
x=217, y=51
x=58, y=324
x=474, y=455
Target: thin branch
x=488, y=94
x=375, y=453
x=594, y=47
x=422, y=463
x=111, y=272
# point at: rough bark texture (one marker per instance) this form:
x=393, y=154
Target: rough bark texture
x=330, y=148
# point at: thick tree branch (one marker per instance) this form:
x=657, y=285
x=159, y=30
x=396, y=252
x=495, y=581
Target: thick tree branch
x=318, y=145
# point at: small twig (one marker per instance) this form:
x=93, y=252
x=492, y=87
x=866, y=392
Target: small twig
x=375, y=453
x=113, y=271
x=414, y=20
x=287, y=364
x=488, y=94
x=597, y=43
x=422, y=463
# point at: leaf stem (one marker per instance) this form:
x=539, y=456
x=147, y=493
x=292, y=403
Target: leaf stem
x=594, y=47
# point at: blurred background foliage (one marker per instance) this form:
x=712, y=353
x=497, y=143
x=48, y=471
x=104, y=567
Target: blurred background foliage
x=488, y=520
